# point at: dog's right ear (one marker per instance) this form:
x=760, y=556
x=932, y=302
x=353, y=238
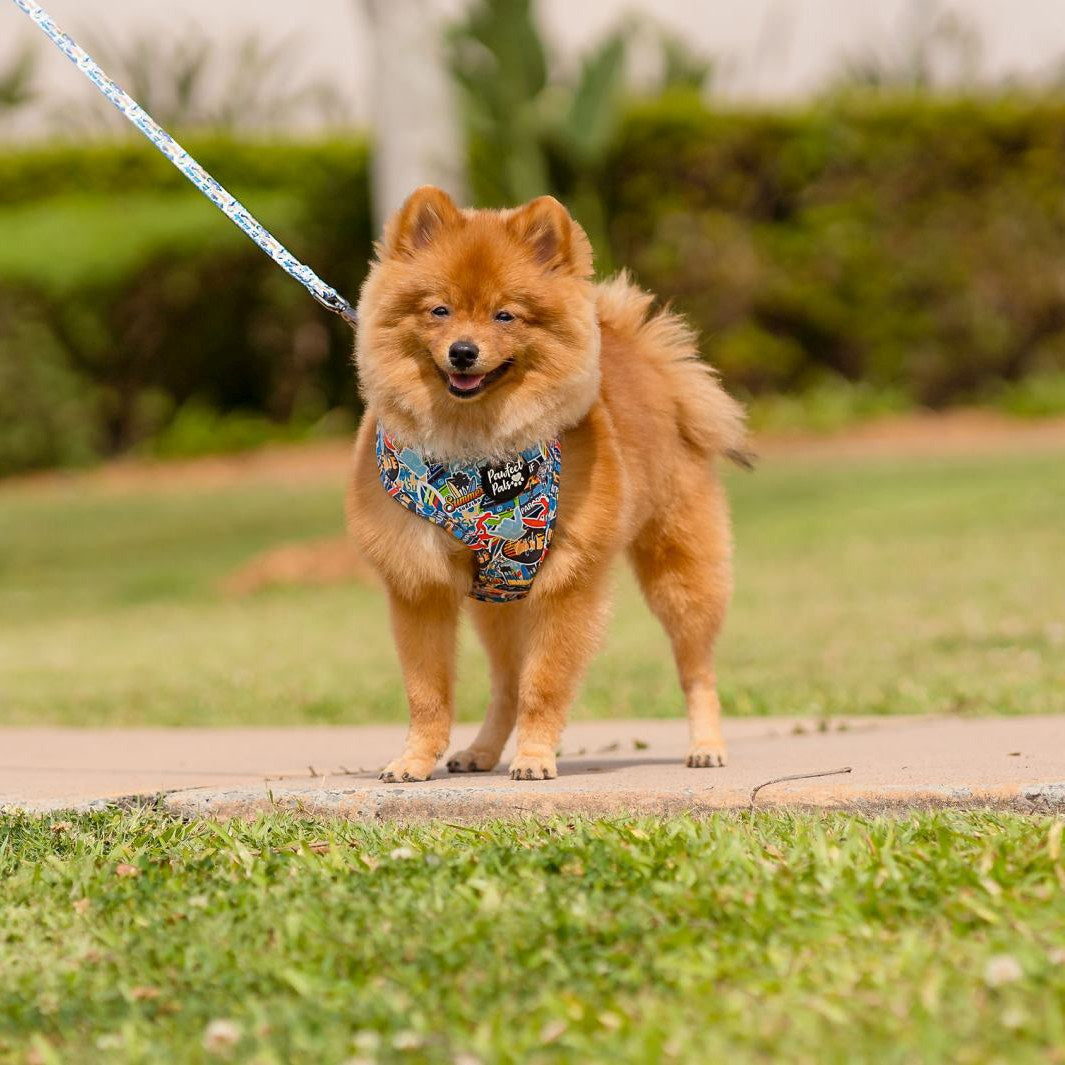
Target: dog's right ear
x=425, y=214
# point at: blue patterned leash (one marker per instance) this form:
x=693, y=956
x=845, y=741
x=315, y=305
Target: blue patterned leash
x=228, y=204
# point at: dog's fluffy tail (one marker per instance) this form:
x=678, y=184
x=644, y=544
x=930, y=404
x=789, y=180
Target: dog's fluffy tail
x=710, y=420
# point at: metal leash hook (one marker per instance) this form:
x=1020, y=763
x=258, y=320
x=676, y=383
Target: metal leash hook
x=227, y=203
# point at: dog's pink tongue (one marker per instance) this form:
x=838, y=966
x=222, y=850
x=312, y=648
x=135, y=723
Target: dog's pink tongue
x=465, y=382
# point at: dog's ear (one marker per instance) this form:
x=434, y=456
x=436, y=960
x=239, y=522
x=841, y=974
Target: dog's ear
x=425, y=214
x=557, y=241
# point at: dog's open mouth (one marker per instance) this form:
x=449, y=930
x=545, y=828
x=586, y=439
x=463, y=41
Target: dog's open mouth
x=468, y=385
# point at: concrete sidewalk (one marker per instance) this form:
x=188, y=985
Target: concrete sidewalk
x=606, y=766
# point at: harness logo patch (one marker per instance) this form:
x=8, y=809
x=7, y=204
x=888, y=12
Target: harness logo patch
x=505, y=482
x=503, y=512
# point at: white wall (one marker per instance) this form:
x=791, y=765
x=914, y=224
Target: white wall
x=771, y=49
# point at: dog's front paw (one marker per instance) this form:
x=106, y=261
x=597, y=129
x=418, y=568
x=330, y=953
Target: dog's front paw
x=407, y=769
x=533, y=767
x=707, y=755
x=472, y=761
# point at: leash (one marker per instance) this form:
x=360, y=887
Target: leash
x=228, y=204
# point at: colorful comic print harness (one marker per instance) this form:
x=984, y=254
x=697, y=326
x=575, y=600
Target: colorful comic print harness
x=505, y=513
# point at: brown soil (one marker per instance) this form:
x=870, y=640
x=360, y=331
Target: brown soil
x=957, y=432
x=333, y=560
x=326, y=460
x=965, y=431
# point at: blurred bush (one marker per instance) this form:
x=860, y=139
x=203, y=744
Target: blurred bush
x=120, y=286
x=910, y=243
x=859, y=256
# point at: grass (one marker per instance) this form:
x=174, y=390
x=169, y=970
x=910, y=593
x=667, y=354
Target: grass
x=784, y=937
x=863, y=586
x=1036, y=396
x=70, y=241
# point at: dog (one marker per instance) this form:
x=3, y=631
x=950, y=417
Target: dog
x=490, y=360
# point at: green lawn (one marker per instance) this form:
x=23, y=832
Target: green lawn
x=70, y=241
x=863, y=586
x=777, y=937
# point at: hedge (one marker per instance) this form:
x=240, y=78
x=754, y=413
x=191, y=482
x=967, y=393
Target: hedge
x=118, y=278
x=912, y=245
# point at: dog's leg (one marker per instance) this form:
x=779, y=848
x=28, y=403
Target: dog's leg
x=564, y=630
x=502, y=631
x=425, y=628
x=683, y=563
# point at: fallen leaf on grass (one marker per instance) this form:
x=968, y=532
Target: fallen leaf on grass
x=62, y=826
x=125, y=869
x=1002, y=969
x=144, y=994
x=81, y=905
x=220, y=1035
x=552, y=1031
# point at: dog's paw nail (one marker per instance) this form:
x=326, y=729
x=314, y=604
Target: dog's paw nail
x=706, y=758
x=532, y=768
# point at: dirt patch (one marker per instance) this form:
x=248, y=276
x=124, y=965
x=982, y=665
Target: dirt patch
x=333, y=560
x=968, y=431
x=957, y=432
x=326, y=460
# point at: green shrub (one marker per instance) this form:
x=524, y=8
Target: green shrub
x=1036, y=396
x=862, y=254
x=156, y=299
x=909, y=242
x=48, y=416
x=830, y=405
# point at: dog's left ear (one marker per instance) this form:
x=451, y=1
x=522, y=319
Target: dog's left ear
x=558, y=242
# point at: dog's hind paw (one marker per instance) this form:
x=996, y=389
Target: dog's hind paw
x=706, y=756
x=471, y=761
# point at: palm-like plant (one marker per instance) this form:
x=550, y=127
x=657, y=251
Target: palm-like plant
x=531, y=133
x=517, y=119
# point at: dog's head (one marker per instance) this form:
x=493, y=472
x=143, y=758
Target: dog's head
x=477, y=329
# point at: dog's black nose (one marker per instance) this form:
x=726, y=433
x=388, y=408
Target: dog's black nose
x=463, y=354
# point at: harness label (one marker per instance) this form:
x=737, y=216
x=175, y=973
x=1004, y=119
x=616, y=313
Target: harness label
x=506, y=482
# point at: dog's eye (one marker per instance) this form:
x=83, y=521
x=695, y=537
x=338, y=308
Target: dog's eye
x=440, y=312
x=504, y=316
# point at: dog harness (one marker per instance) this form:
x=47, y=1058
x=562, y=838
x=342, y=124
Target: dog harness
x=505, y=513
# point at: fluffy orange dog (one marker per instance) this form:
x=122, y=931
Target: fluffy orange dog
x=481, y=333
